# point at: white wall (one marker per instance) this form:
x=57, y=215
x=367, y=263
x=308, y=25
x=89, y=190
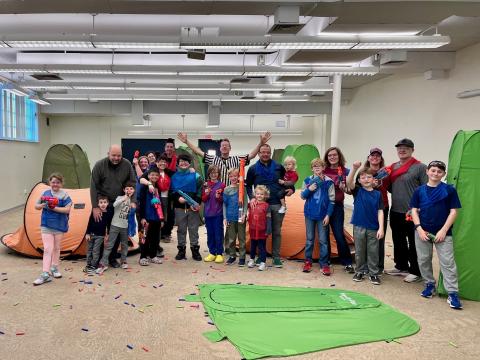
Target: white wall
x=22, y=167
x=427, y=111
x=95, y=134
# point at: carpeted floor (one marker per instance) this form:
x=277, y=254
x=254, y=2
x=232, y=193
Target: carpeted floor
x=51, y=316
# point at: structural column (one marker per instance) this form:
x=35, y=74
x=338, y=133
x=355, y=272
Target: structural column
x=336, y=100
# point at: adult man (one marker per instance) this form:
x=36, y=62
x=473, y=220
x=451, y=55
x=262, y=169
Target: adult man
x=407, y=174
x=225, y=161
x=172, y=165
x=109, y=175
x=267, y=172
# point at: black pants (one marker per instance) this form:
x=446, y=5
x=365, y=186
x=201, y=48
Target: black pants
x=381, y=242
x=261, y=244
x=149, y=249
x=167, y=228
x=403, y=235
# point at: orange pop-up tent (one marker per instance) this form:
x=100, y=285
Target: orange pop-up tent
x=294, y=235
x=27, y=239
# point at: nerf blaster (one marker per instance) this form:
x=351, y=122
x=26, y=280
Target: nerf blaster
x=316, y=180
x=340, y=174
x=432, y=238
x=157, y=204
x=383, y=173
x=193, y=204
x=408, y=215
x=136, y=155
x=50, y=200
x=241, y=189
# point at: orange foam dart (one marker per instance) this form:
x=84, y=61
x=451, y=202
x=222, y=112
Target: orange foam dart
x=241, y=188
x=144, y=348
x=18, y=333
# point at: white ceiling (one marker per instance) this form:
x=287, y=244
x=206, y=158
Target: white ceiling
x=168, y=73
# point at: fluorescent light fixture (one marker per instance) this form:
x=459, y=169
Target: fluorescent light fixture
x=22, y=70
x=210, y=73
x=320, y=64
x=401, y=42
x=311, y=45
x=49, y=44
x=203, y=88
x=349, y=34
x=86, y=87
x=80, y=71
x=136, y=45
x=3, y=45
x=468, y=94
x=48, y=87
x=62, y=98
x=146, y=72
x=39, y=100
x=16, y=91
x=220, y=46
x=152, y=88
x=277, y=73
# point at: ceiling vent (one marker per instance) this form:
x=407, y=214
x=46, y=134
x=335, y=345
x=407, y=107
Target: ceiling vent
x=213, y=114
x=286, y=21
x=196, y=54
x=46, y=77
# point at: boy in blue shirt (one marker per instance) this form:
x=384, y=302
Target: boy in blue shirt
x=318, y=191
x=367, y=221
x=434, y=210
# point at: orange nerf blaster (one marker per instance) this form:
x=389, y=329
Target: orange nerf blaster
x=241, y=189
x=50, y=200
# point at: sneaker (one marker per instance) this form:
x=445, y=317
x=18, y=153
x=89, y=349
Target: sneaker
x=261, y=267
x=251, y=263
x=124, y=265
x=326, y=270
x=277, y=263
x=209, y=258
x=156, y=260
x=307, y=266
x=257, y=262
x=358, y=277
x=411, y=278
x=454, y=301
x=91, y=271
x=282, y=210
x=219, y=259
x=56, y=274
x=160, y=252
x=375, y=280
x=144, y=262
x=241, y=262
x=42, y=279
x=232, y=259
x=349, y=269
x=114, y=264
x=396, y=272
x=429, y=290
x=101, y=269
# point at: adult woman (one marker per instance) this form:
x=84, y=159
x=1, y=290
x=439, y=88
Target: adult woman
x=140, y=165
x=376, y=162
x=337, y=171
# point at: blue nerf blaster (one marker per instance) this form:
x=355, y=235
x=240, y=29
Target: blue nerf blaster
x=383, y=173
x=193, y=204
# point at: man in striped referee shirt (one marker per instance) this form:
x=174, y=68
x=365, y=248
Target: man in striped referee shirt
x=225, y=161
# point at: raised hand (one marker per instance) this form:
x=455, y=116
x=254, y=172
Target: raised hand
x=265, y=137
x=182, y=136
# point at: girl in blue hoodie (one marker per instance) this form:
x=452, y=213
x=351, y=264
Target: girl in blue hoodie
x=318, y=191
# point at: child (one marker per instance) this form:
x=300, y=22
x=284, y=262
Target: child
x=434, y=209
x=318, y=191
x=290, y=178
x=235, y=225
x=119, y=227
x=260, y=224
x=367, y=220
x=55, y=205
x=95, y=236
x=186, y=215
x=213, y=199
x=150, y=219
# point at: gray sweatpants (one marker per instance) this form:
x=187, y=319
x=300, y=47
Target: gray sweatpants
x=112, y=237
x=277, y=220
x=366, y=250
x=235, y=229
x=94, y=249
x=445, y=258
x=187, y=220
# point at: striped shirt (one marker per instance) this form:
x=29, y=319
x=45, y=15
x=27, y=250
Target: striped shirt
x=232, y=162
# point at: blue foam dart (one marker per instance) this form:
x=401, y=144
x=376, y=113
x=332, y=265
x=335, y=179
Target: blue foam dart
x=130, y=346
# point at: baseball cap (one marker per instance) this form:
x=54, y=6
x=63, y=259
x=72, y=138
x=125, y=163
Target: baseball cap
x=375, y=150
x=405, y=142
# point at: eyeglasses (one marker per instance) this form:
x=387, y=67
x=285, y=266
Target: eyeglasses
x=437, y=163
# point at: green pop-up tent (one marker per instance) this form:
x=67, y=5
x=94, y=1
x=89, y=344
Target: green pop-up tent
x=262, y=321
x=304, y=154
x=72, y=162
x=464, y=174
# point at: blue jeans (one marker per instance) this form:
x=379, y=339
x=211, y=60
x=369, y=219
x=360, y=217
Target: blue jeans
x=310, y=226
x=336, y=223
x=214, y=225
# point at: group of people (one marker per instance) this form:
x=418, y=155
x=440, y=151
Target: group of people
x=163, y=190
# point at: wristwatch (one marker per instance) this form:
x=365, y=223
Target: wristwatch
x=416, y=226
